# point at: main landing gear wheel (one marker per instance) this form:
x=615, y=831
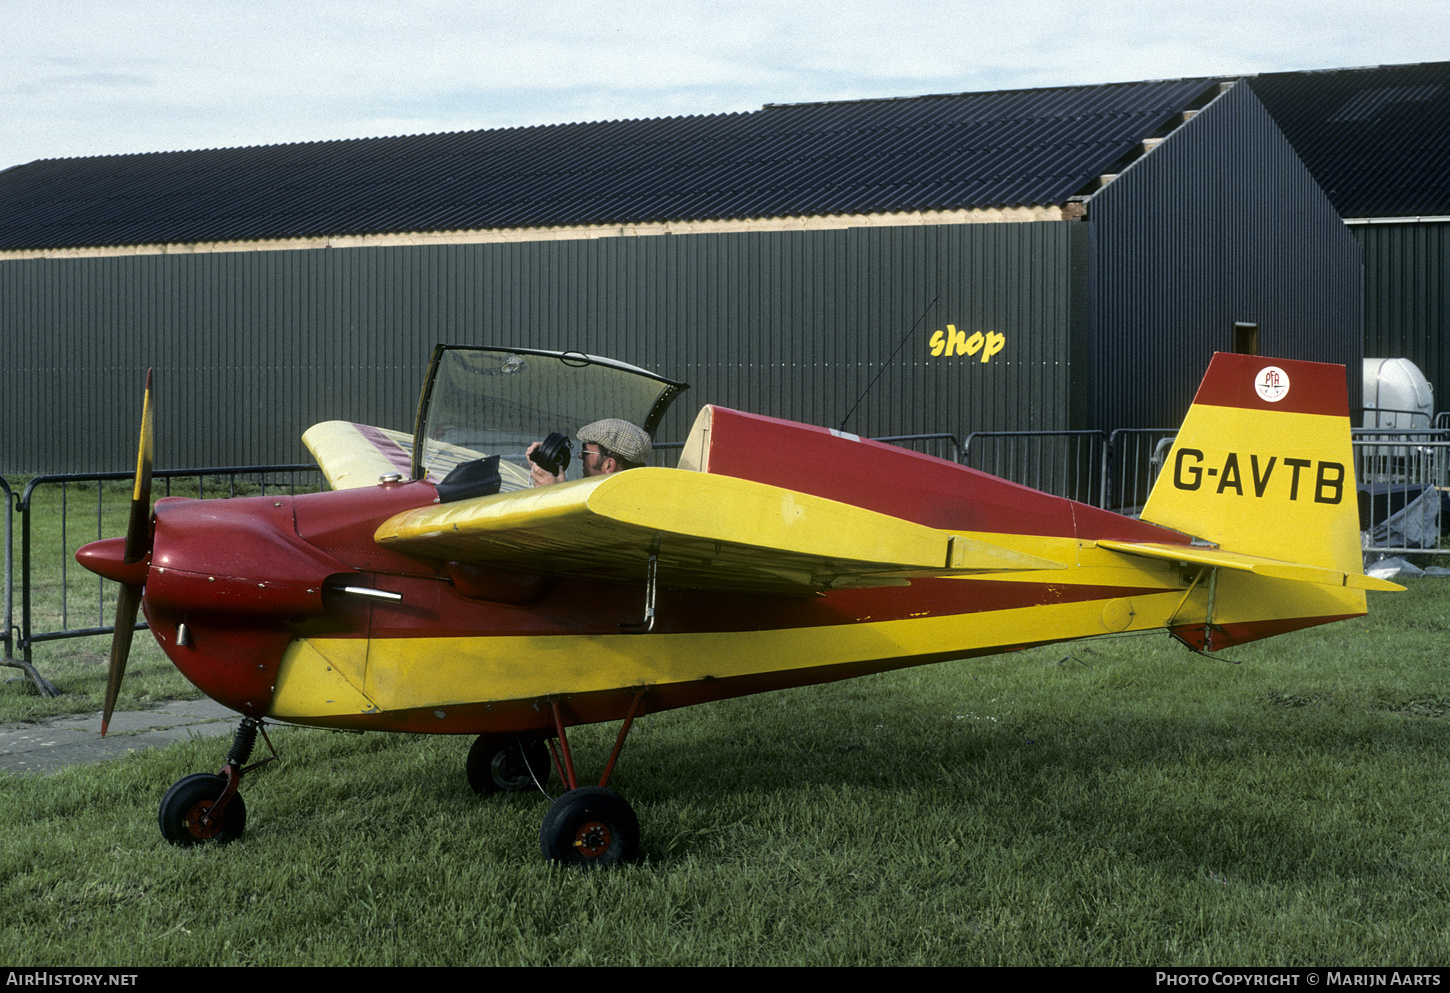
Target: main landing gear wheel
x=504, y=764
x=185, y=806
x=590, y=826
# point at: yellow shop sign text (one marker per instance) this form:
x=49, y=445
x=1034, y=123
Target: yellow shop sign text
x=955, y=342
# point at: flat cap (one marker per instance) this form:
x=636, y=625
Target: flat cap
x=628, y=441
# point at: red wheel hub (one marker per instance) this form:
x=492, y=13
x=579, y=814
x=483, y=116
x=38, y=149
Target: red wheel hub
x=593, y=839
x=196, y=823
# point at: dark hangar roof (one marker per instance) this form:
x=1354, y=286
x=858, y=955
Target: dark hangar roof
x=1000, y=149
x=1376, y=139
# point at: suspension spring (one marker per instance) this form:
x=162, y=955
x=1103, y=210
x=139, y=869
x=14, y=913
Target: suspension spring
x=243, y=742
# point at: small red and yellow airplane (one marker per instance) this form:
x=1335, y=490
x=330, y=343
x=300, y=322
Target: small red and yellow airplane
x=434, y=591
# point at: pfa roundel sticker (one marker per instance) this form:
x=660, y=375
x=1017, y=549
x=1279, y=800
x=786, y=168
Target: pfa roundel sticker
x=1271, y=383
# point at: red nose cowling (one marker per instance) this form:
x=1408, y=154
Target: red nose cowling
x=238, y=576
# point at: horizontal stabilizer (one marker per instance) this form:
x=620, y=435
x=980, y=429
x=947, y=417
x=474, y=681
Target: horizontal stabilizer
x=1270, y=568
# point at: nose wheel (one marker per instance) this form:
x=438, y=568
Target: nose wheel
x=190, y=812
x=206, y=807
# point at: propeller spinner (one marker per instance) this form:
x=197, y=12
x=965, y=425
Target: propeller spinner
x=136, y=552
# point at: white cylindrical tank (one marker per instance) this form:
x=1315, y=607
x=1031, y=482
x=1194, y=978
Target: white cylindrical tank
x=1397, y=395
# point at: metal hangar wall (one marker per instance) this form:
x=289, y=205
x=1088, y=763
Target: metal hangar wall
x=251, y=348
x=1103, y=321
x=1407, y=294
x=1221, y=225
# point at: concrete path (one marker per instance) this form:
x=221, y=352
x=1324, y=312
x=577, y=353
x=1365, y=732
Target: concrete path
x=58, y=742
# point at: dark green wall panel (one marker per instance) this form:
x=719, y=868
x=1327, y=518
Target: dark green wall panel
x=1221, y=223
x=1407, y=296
x=252, y=347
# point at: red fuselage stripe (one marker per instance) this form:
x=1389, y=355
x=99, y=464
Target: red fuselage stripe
x=576, y=607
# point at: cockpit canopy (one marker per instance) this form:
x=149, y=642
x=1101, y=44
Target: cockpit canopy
x=479, y=402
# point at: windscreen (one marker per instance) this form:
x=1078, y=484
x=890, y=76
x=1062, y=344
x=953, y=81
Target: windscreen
x=487, y=401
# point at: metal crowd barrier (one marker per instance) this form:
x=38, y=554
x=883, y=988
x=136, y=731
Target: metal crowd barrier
x=7, y=636
x=1064, y=463
x=1416, y=457
x=73, y=493
x=1088, y=466
x=1397, y=419
x=1393, y=469
x=1135, y=458
x=942, y=446
x=1404, y=479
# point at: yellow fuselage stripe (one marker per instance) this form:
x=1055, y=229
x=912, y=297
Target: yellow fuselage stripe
x=327, y=677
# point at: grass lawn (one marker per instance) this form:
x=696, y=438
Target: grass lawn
x=1122, y=801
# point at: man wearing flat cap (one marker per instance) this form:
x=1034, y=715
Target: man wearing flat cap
x=607, y=446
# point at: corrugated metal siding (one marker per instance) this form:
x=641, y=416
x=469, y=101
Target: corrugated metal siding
x=920, y=153
x=251, y=348
x=1221, y=223
x=1407, y=297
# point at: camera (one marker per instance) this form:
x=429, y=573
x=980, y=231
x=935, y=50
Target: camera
x=553, y=455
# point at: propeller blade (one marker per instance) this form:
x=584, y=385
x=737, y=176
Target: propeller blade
x=138, y=546
x=127, y=603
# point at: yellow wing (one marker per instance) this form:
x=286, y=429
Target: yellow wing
x=356, y=455
x=708, y=532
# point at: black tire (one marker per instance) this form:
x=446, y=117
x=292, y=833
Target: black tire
x=500, y=764
x=188, y=800
x=592, y=827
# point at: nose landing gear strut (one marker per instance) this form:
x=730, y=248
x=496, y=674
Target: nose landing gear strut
x=206, y=807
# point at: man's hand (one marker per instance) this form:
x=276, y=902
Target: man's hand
x=537, y=474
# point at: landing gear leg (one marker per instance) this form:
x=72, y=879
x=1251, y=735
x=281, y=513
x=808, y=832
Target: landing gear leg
x=590, y=826
x=203, y=807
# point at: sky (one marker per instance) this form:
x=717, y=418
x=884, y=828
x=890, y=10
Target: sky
x=105, y=77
